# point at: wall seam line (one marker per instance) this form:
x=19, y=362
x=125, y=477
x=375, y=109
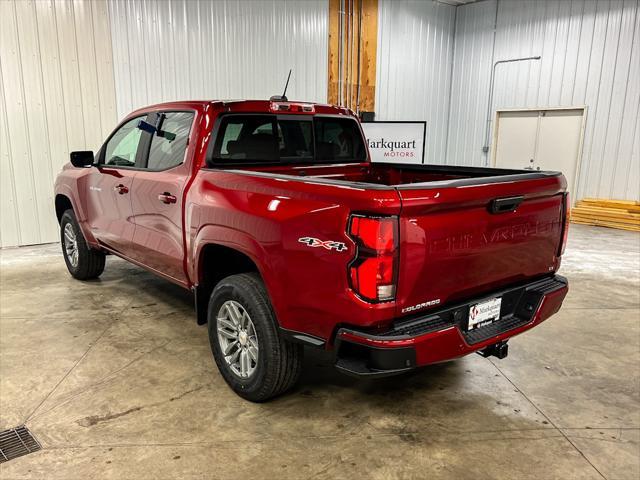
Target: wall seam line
x=606, y=128
x=25, y=117
x=597, y=96
x=624, y=99
x=633, y=146
x=75, y=45
x=451, y=64
x=43, y=93
x=113, y=63
x=59, y=70
x=95, y=67
x=14, y=203
x=553, y=50
x=575, y=72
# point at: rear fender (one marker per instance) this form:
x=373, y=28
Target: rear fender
x=243, y=243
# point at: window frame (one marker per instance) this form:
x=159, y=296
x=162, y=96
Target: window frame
x=211, y=162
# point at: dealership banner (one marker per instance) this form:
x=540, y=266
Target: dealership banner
x=396, y=142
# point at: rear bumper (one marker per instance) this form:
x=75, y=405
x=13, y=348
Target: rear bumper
x=442, y=335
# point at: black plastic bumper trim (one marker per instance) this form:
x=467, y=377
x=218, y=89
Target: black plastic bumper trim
x=303, y=338
x=363, y=360
x=519, y=305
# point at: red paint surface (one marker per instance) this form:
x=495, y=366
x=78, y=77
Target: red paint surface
x=450, y=246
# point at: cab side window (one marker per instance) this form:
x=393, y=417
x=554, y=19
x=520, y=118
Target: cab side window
x=122, y=147
x=169, y=142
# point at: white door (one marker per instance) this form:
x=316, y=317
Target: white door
x=517, y=134
x=559, y=143
x=553, y=143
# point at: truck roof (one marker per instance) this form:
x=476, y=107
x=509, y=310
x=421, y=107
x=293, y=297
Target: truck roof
x=265, y=106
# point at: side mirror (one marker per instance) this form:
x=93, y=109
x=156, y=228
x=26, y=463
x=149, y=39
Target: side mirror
x=82, y=158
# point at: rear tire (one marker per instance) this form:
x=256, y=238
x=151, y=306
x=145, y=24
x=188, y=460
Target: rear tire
x=240, y=307
x=82, y=262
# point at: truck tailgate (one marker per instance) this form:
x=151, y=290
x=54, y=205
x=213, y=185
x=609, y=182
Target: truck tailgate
x=454, y=246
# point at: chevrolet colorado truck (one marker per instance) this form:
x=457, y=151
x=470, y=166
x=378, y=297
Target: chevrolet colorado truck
x=273, y=215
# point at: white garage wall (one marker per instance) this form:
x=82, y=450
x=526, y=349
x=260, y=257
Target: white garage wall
x=181, y=49
x=56, y=95
x=59, y=91
x=590, y=56
x=415, y=51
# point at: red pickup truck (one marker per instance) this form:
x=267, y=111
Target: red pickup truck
x=273, y=215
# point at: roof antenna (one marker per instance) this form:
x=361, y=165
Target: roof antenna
x=283, y=97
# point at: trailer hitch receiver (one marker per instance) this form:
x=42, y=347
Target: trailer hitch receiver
x=499, y=350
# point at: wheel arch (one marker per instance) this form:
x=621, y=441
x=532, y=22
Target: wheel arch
x=214, y=262
x=62, y=204
x=65, y=199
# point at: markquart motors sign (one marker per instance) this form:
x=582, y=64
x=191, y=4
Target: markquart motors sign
x=395, y=142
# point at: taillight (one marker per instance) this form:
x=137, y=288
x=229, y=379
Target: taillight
x=373, y=271
x=566, y=207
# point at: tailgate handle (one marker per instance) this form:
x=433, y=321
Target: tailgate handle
x=507, y=204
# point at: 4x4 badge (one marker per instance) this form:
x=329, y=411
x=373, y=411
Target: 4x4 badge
x=328, y=244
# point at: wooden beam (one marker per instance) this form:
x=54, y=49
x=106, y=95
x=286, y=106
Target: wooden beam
x=353, y=43
x=369, y=56
x=334, y=61
x=608, y=213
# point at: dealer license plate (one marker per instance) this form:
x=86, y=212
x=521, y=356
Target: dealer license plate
x=484, y=313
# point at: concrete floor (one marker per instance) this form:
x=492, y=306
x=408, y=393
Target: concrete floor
x=116, y=381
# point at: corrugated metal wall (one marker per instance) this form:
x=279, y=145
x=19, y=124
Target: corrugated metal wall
x=590, y=56
x=181, y=49
x=470, y=83
x=56, y=95
x=59, y=90
x=415, y=52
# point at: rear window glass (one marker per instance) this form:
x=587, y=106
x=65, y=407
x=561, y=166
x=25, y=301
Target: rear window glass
x=287, y=138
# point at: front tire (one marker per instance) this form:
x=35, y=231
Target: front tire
x=252, y=357
x=82, y=262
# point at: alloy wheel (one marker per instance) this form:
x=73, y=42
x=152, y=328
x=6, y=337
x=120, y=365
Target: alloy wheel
x=71, y=245
x=237, y=339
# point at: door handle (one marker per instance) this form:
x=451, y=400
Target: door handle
x=121, y=189
x=167, y=198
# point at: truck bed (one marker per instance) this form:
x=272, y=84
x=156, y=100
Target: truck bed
x=400, y=176
x=453, y=243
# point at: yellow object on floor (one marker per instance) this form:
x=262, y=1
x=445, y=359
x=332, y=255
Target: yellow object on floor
x=623, y=214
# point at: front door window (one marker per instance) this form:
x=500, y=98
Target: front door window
x=122, y=147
